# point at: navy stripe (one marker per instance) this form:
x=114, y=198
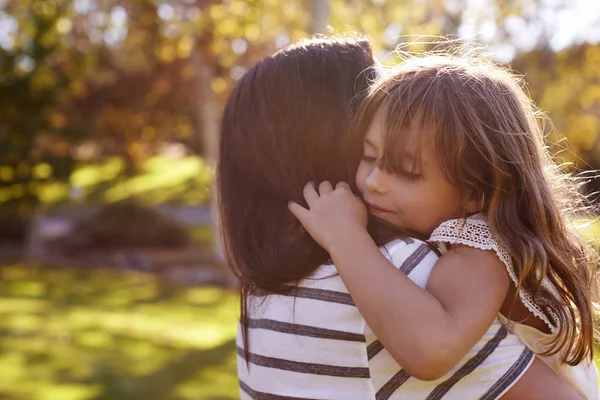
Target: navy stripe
x=469, y=366
x=323, y=295
x=414, y=259
x=305, y=330
x=408, y=240
x=306, y=368
x=266, y=396
x=373, y=349
x=510, y=376
x=392, y=385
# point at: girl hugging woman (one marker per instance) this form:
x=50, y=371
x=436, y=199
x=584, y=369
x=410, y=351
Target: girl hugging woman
x=453, y=153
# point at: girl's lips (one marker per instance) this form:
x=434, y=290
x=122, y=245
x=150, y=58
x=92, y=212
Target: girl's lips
x=374, y=208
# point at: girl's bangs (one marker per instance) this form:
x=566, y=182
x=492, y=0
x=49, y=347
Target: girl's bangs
x=409, y=115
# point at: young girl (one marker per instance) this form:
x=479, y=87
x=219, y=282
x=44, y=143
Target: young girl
x=453, y=152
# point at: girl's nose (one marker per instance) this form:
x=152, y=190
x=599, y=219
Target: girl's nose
x=376, y=181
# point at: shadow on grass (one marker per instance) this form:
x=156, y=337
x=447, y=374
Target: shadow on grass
x=167, y=381
x=96, y=335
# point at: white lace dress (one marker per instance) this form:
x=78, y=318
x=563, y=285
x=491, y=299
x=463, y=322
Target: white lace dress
x=475, y=232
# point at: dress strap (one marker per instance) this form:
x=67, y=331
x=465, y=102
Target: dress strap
x=475, y=232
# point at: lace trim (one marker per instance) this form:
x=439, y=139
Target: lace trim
x=475, y=232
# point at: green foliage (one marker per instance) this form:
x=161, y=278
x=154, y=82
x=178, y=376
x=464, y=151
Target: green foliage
x=160, y=179
x=566, y=85
x=34, y=84
x=82, y=84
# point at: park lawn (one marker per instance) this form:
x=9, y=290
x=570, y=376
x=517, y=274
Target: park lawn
x=111, y=335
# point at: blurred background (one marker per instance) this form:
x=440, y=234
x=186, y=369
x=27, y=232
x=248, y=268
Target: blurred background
x=111, y=283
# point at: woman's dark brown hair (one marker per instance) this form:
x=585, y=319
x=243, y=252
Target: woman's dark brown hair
x=286, y=123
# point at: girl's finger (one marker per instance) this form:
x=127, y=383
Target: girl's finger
x=298, y=211
x=325, y=187
x=310, y=194
x=342, y=185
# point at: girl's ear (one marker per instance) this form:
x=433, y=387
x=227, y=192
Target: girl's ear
x=474, y=202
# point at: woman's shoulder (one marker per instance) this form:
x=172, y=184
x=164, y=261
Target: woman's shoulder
x=413, y=257
x=404, y=243
x=406, y=247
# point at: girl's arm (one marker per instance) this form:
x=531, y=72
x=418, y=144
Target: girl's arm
x=427, y=332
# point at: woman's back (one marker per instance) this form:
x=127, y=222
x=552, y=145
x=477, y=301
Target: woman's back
x=314, y=344
x=310, y=344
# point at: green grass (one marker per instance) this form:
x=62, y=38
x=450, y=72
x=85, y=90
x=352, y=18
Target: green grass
x=590, y=229
x=100, y=335
x=110, y=335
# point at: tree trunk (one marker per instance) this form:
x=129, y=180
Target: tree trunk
x=319, y=16
x=208, y=118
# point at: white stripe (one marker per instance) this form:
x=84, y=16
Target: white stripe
x=310, y=312
x=306, y=349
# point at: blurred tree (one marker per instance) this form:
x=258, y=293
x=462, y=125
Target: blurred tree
x=566, y=86
x=83, y=80
x=38, y=81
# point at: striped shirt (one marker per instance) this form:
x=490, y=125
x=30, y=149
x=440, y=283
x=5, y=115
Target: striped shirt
x=315, y=344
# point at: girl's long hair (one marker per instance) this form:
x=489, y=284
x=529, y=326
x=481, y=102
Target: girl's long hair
x=286, y=123
x=489, y=142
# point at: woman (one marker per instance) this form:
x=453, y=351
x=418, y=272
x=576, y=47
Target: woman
x=301, y=337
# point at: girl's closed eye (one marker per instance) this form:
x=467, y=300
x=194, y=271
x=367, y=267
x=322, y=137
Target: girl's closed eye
x=369, y=159
x=413, y=176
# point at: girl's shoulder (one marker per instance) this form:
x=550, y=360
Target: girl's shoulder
x=472, y=231
x=475, y=232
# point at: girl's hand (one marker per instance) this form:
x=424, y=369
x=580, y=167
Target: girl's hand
x=333, y=215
